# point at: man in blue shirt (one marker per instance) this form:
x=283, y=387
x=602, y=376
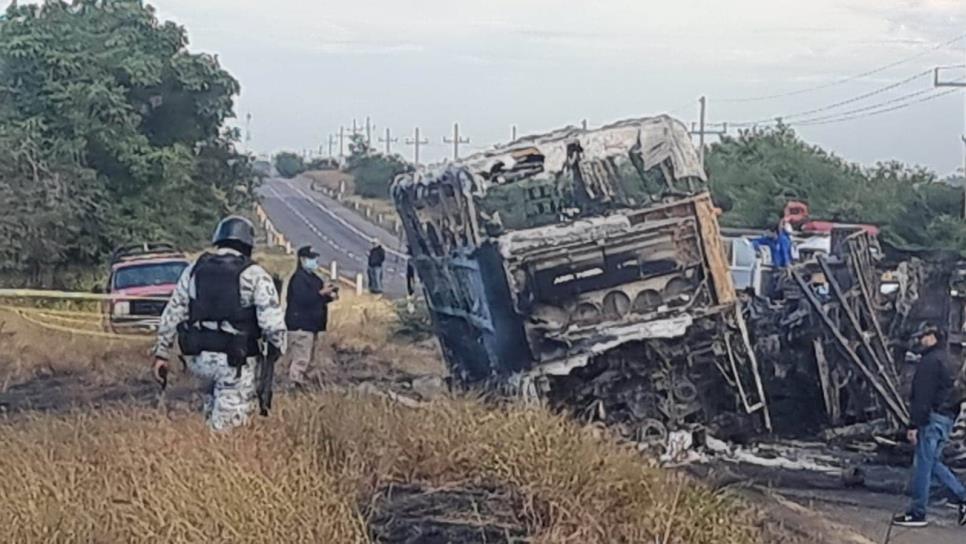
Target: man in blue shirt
x=779, y=243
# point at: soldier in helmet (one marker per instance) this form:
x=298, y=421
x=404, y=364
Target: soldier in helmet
x=222, y=306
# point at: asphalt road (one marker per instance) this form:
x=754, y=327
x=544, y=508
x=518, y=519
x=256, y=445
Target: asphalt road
x=337, y=233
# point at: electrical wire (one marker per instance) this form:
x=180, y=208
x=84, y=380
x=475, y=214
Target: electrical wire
x=899, y=102
x=839, y=104
x=849, y=78
x=877, y=112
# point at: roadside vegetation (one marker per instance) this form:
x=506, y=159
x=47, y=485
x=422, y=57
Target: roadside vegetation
x=324, y=467
x=108, y=137
x=316, y=470
x=755, y=173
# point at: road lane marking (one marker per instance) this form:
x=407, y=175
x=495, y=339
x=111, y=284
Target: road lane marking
x=312, y=226
x=338, y=247
x=338, y=218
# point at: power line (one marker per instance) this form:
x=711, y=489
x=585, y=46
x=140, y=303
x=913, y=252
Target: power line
x=843, y=118
x=832, y=106
x=849, y=78
x=853, y=113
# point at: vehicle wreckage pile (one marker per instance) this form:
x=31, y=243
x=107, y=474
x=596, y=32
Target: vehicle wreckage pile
x=587, y=269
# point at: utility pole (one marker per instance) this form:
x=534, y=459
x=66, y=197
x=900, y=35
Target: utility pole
x=416, y=142
x=248, y=131
x=513, y=133
x=702, y=129
x=341, y=143
x=389, y=140
x=960, y=84
x=706, y=132
x=456, y=141
x=368, y=133
x=704, y=107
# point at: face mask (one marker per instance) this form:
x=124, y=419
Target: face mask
x=310, y=264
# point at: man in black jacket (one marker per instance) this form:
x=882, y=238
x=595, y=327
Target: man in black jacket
x=377, y=257
x=934, y=407
x=306, y=313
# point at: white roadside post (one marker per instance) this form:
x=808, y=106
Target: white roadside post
x=334, y=271
x=359, y=286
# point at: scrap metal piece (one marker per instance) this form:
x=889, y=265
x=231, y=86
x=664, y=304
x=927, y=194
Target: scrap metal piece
x=866, y=293
x=652, y=432
x=884, y=372
x=894, y=404
x=830, y=392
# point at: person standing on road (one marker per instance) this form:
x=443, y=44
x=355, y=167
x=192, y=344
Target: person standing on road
x=377, y=257
x=223, y=305
x=306, y=313
x=935, y=403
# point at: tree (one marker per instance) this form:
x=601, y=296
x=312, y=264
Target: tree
x=289, y=164
x=754, y=174
x=119, y=112
x=372, y=172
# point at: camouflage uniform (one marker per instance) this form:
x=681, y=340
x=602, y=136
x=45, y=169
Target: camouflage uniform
x=230, y=398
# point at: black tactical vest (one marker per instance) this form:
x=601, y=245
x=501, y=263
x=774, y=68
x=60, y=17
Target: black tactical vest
x=217, y=281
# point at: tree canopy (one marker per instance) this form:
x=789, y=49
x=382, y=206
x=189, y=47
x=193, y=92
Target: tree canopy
x=111, y=132
x=754, y=174
x=372, y=172
x=289, y=164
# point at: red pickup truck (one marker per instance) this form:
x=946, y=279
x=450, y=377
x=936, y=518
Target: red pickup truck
x=141, y=281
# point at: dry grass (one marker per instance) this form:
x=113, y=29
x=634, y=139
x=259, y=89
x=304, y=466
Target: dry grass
x=30, y=350
x=309, y=473
x=306, y=474
x=362, y=326
x=359, y=326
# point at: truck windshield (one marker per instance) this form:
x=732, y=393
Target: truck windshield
x=146, y=275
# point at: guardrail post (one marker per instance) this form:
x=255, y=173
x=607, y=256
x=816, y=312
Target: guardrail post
x=334, y=270
x=368, y=211
x=359, y=286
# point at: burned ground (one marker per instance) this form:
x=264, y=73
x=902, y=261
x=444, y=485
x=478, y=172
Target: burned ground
x=406, y=514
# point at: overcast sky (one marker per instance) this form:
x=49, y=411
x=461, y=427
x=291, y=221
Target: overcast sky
x=308, y=66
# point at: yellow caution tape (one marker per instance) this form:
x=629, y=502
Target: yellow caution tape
x=91, y=319
x=72, y=330
x=70, y=295
x=54, y=311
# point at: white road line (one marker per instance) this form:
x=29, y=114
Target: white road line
x=335, y=216
x=313, y=228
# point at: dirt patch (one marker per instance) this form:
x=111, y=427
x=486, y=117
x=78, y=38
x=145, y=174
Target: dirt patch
x=71, y=391
x=406, y=514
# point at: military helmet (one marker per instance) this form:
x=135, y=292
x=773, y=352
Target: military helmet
x=237, y=228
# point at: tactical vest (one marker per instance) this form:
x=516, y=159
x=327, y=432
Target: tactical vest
x=217, y=288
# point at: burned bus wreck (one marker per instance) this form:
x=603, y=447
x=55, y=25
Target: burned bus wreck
x=586, y=268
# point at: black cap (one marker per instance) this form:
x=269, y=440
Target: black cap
x=234, y=228
x=306, y=252
x=926, y=329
